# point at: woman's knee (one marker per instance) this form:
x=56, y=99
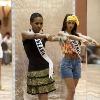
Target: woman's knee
x=71, y=91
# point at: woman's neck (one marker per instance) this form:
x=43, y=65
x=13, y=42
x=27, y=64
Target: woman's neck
x=69, y=31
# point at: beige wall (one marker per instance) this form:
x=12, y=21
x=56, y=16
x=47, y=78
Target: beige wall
x=93, y=19
x=81, y=12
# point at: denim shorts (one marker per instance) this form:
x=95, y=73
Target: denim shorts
x=71, y=68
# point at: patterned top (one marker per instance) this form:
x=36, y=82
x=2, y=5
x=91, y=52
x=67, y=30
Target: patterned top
x=68, y=48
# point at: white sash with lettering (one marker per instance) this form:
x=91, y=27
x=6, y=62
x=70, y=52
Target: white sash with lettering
x=75, y=45
x=45, y=56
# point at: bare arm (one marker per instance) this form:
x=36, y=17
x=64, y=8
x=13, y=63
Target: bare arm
x=32, y=35
x=75, y=37
x=90, y=39
x=56, y=38
x=85, y=37
x=61, y=33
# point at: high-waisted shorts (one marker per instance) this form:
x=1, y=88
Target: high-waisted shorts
x=71, y=68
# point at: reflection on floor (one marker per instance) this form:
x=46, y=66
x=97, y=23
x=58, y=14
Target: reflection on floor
x=87, y=89
x=89, y=85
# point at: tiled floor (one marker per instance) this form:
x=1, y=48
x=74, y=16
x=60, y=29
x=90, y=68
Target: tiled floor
x=89, y=85
x=87, y=89
x=6, y=83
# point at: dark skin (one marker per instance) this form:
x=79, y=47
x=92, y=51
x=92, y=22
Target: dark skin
x=36, y=25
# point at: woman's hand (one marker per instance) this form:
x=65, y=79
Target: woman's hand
x=61, y=33
x=85, y=42
x=95, y=42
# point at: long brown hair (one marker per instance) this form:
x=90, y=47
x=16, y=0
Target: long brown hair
x=74, y=30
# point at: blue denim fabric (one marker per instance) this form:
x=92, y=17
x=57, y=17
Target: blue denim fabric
x=71, y=68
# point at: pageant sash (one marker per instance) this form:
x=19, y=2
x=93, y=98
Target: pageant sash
x=76, y=47
x=45, y=56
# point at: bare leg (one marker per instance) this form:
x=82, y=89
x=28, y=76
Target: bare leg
x=70, y=88
x=76, y=82
x=43, y=96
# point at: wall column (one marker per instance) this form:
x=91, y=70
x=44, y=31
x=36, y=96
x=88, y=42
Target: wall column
x=81, y=12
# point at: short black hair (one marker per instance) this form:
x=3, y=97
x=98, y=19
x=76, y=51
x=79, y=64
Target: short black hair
x=34, y=15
